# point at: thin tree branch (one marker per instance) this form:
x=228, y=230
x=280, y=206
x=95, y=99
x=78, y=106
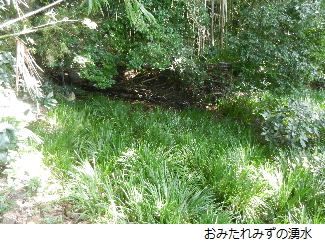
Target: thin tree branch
x=41, y=27
x=10, y=22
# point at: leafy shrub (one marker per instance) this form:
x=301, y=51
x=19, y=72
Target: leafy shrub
x=113, y=42
x=5, y=203
x=293, y=124
x=278, y=44
x=14, y=114
x=14, y=118
x=6, y=62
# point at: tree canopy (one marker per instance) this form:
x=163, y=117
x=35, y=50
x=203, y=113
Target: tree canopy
x=268, y=43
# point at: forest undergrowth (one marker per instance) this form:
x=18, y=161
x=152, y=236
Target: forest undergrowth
x=130, y=163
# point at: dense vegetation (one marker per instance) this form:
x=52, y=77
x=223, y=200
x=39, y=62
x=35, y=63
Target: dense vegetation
x=126, y=164
x=251, y=152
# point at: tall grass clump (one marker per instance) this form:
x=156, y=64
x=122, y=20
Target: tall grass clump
x=123, y=163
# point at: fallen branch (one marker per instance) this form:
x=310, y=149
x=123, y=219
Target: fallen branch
x=148, y=80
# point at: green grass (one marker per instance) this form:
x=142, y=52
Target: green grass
x=125, y=164
x=5, y=203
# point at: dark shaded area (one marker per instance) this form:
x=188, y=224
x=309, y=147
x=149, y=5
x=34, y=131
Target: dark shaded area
x=155, y=88
x=161, y=88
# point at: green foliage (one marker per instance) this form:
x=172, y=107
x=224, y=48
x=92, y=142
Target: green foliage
x=14, y=117
x=14, y=114
x=48, y=101
x=8, y=138
x=269, y=43
x=293, y=124
x=113, y=41
x=278, y=44
x=95, y=5
x=6, y=68
x=5, y=203
x=122, y=164
x=139, y=16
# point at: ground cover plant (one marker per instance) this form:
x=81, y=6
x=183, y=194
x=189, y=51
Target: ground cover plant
x=125, y=163
x=242, y=146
